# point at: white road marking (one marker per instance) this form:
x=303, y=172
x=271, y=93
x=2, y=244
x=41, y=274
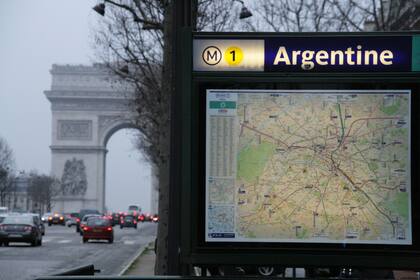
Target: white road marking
x=128, y=242
x=64, y=241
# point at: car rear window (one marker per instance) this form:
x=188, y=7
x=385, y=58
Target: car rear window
x=88, y=212
x=18, y=220
x=86, y=217
x=97, y=222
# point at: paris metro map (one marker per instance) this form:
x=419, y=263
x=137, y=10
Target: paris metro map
x=316, y=166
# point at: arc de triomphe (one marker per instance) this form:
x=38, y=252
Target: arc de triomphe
x=88, y=107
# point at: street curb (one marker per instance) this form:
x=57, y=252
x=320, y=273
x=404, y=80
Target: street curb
x=133, y=259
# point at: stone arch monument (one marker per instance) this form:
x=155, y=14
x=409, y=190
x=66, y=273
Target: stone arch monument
x=88, y=107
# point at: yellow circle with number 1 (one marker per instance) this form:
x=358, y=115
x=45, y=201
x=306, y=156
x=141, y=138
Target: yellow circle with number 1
x=234, y=56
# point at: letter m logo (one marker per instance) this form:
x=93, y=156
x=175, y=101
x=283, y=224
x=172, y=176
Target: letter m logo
x=211, y=55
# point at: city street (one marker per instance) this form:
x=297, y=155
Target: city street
x=62, y=249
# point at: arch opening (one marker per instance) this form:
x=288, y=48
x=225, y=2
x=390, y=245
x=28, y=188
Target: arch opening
x=128, y=176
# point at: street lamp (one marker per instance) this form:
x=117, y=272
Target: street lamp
x=100, y=9
x=245, y=13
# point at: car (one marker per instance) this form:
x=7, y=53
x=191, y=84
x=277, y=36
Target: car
x=98, y=228
x=145, y=217
x=128, y=221
x=83, y=221
x=116, y=218
x=56, y=219
x=72, y=219
x=155, y=218
x=23, y=228
x=39, y=222
x=82, y=213
x=44, y=217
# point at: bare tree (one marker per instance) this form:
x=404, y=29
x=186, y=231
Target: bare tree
x=134, y=41
x=337, y=15
x=42, y=190
x=7, y=164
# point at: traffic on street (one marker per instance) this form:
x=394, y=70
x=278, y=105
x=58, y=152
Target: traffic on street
x=63, y=249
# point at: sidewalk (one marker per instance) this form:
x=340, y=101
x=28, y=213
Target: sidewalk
x=144, y=265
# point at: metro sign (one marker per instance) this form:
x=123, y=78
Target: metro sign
x=309, y=54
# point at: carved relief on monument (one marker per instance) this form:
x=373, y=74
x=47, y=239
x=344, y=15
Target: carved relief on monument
x=74, y=181
x=74, y=130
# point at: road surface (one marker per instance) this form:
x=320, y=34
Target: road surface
x=62, y=249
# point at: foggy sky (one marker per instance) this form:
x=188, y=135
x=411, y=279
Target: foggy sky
x=33, y=36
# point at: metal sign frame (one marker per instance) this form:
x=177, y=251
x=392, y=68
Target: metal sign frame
x=193, y=250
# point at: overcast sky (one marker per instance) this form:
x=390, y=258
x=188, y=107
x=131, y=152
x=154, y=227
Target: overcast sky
x=33, y=36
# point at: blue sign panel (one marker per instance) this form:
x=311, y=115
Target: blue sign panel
x=338, y=54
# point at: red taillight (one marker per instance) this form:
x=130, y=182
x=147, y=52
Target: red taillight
x=122, y=221
x=109, y=229
x=61, y=218
x=135, y=222
x=86, y=228
x=141, y=218
x=155, y=219
x=78, y=220
x=49, y=218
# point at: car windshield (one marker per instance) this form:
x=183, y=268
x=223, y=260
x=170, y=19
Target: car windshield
x=18, y=220
x=97, y=222
x=129, y=217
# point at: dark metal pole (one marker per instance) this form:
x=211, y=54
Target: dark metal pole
x=182, y=16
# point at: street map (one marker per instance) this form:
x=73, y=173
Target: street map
x=318, y=166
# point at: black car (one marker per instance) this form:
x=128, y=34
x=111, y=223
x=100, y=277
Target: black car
x=82, y=213
x=23, y=228
x=56, y=219
x=128, y=221
x=116, y=218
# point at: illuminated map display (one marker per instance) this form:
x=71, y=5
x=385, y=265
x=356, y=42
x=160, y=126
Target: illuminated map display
x=316, y=166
